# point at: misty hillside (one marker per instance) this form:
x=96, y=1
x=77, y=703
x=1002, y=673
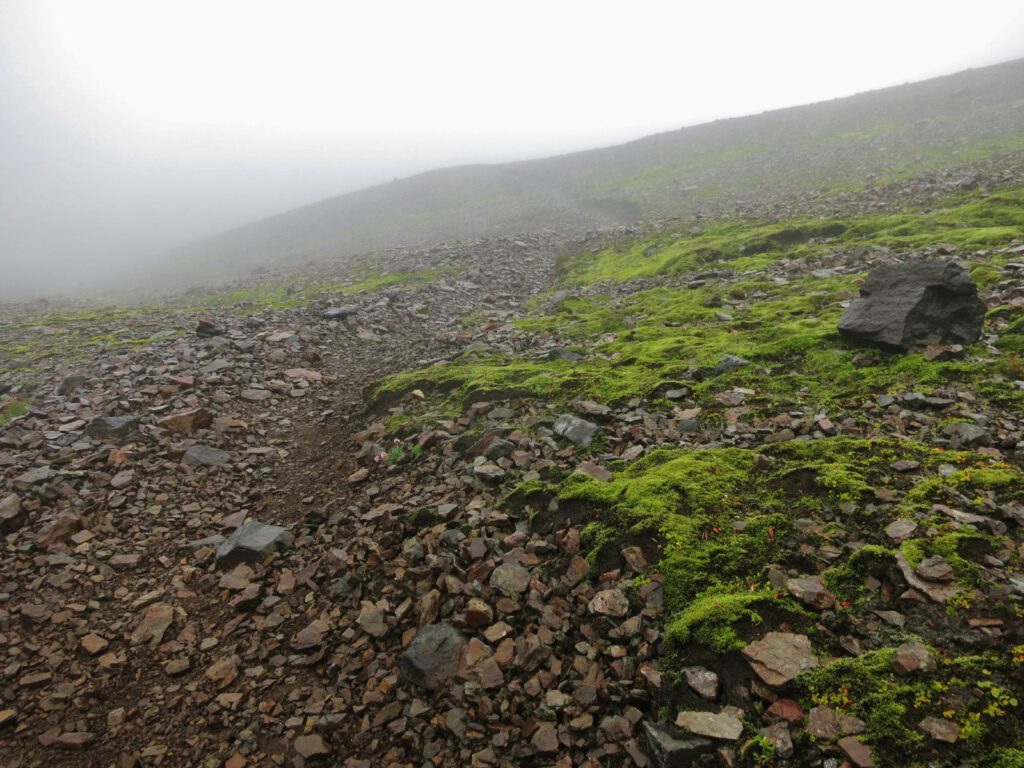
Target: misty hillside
x=829, y=147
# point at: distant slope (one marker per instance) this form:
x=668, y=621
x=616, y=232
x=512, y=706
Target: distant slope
x=867, y=138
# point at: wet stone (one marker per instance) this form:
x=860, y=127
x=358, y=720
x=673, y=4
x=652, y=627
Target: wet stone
x=857, y=752
x=901, y=530
x=730, y=363
x=827, y=724
x=672, y=748
x=935, y=568
x=912, y=657
x=779, y=737
x=12, y=516
x=609, y=602
x=811, y=592
x=311, y=746
x=510, y=578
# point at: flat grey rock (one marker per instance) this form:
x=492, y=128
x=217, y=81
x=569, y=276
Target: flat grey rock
x=205, y=456
x=251, y=543
x=576, y=430
x=964, y=435
x=726, y=726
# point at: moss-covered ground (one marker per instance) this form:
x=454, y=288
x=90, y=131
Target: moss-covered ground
x=718, y=519
x=968, y=221
x=633, y=344
x=723, y=517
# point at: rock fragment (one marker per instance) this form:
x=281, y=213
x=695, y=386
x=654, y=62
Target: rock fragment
x=576, y=430
x=780, y=656
x=432, y=658
x=672, y=748
x=251, y=543
x=111, y=427
x=725, y=725
x=205, y=456
x=915, y=304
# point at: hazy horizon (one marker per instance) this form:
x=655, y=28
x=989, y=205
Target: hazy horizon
x=132, y=129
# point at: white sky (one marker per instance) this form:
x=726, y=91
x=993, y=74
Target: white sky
x=128, y=127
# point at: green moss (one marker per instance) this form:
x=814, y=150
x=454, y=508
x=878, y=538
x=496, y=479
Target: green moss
x=986, y=276
x=951, y=546
x=969, y=222
x=975, y=691
x=974, y=478
x=633, y=345
x=12, y=410
x=710, y=619
x=1010, y=757
x=372, y=279
x=847, y=579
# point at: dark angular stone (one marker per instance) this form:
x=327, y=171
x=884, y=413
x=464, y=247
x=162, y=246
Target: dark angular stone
x=338, y=313
x=108, y=427
x=207, y=329
x=915, y=304
x=671, y=748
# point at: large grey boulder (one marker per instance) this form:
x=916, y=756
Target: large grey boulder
x=251, y=543
x=914, y=304
x=432, y=658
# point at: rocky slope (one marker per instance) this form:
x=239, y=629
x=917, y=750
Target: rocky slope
x=827, y=148
x=625, y=501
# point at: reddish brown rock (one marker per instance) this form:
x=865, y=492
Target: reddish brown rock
x=857, y=751
x=780, y=656
x=156, y=620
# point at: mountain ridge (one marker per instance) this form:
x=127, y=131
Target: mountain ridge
x=849, y=141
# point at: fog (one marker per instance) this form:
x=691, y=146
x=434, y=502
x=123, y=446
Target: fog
x=130, y=128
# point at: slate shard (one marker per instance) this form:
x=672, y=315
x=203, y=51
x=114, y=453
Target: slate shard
x=251, y=543
x=915, y=304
